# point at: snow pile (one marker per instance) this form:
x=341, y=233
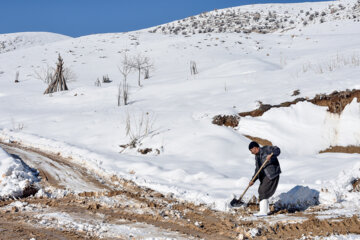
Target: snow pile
x=341, y=189
x=288, y=126
x=298, y=198
x=15, y=176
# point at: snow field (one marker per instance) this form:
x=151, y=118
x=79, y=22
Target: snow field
x=198, y=161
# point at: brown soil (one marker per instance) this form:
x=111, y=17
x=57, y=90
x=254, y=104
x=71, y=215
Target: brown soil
x=340, y=149
x=13, y=226
x=226, y=120
x=260, y=141
x=144, y=205
x=356, y=185
x=313, y=227
x=335, y=102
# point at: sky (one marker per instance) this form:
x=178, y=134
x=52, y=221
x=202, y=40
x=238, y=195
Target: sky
x=83, y=17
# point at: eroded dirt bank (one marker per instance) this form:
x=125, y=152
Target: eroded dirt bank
x=335, y=101
x=117, y=203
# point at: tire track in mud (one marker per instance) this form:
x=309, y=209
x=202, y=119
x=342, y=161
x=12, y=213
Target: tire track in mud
x=133, y=203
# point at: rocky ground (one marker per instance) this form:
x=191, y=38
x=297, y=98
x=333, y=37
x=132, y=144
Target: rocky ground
x=73, y=203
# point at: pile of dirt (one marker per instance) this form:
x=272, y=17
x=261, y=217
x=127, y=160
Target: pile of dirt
x=226, y=120
x=335, y=101
x=340, y=149
x=261, y=141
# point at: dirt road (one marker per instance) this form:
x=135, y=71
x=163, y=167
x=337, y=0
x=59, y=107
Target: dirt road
x=91, y=207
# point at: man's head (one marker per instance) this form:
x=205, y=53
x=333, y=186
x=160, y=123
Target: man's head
x=254, y=147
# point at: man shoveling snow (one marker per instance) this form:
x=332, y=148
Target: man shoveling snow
x=267, y=171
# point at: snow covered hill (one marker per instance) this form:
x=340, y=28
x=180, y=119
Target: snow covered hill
x=171, y=113
x=13, y=41
x=262, y=18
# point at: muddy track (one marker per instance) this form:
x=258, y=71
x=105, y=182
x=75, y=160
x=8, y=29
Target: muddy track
x=120, y=199
x=13, y=226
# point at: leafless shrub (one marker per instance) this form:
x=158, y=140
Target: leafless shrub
x=16, y=126
x=97, y=83
x=69, y=74
x=138, y=127
x=146, y=73
x=106, y=79
x=193, y=68
x=17, y=77
x=45, y=74
x=123, y=93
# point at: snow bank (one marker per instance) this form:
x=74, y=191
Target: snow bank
x=15, y=176
x=312, y=125
x=340, y=189
x=298, y=198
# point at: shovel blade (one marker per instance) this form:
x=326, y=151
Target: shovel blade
x=236, y=203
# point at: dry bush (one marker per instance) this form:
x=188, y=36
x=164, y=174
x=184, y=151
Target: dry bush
x=45, y=74
x=193, y=68
x=138, y=127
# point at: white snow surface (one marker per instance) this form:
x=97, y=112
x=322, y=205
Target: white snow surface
x=336, y=237
x=14, y=176
x=14, y=41
x=340, y=190
x=197, y=161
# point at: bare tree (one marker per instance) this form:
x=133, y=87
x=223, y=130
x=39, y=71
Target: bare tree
x=123, y=90
x=141, y=63
x=59, y=81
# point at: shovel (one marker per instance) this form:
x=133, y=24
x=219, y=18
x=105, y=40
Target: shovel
x=239, y=202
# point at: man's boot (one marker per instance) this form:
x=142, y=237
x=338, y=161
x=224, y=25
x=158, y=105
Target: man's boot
x=264, y=208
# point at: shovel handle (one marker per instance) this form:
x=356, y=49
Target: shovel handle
x=258, y=172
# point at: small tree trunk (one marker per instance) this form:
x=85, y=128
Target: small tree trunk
x=139, y=69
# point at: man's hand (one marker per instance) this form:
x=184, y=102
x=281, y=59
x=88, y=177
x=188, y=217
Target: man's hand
x=268, y=157
x=251, y=183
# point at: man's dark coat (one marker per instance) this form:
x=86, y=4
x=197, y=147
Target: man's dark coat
x=272, y=169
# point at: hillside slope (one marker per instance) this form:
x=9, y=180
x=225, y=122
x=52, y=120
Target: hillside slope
x=13, y=41
x=171, y=113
